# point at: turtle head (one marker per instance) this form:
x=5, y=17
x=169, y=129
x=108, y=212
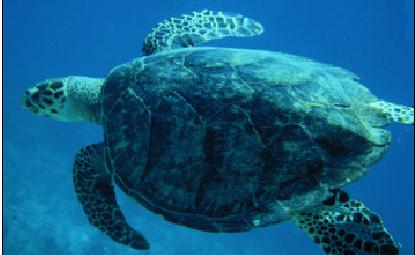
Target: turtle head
x=66, y=99
x=47, y=98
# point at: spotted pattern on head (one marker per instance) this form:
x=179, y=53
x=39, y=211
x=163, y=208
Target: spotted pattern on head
x=196, y=28
x=47, y=98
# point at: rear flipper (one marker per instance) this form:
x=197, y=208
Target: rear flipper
x=395, y=112
x=95, y=191
x=342, y=226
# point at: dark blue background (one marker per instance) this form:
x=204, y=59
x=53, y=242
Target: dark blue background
x=44, y=39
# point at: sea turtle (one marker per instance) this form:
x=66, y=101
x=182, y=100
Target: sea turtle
x=226, y=140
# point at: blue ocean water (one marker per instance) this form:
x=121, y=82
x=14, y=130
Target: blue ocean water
x=49, y=38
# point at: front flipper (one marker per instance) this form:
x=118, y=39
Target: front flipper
x=343, y=226
x=199, y=27
x=95, y=191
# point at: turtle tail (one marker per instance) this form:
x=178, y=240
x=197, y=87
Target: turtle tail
x=395, y=112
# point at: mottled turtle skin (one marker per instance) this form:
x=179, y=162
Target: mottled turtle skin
x=224, y=140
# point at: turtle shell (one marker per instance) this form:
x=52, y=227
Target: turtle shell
x=229, y=139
